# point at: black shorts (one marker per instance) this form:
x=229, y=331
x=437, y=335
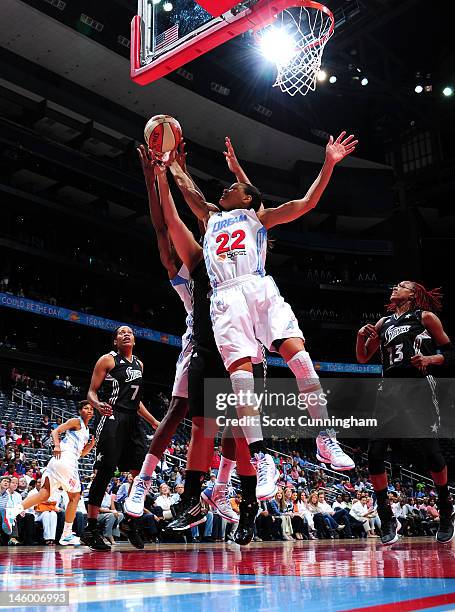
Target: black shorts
x=407, y=408
x=120, y=442
x=204, y=364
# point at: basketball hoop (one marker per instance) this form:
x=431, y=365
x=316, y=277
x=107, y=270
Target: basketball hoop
x=309, y=25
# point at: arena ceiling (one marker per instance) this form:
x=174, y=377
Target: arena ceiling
x=381, y=38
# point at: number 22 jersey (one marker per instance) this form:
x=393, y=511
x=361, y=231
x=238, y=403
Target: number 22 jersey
x=235, y=245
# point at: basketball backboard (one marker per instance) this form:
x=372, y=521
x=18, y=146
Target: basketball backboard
x=166, y=34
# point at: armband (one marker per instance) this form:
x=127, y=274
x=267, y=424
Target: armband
x=448, y=352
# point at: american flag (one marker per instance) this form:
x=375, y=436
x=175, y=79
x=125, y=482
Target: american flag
x=167, y=37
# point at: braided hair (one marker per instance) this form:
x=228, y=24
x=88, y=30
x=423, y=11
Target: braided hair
x=423, y=299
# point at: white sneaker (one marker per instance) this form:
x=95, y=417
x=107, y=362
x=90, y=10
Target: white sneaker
x=70, y=540
x=267, y=475
x=329, y=451
x=217, y=497
x=134, y=503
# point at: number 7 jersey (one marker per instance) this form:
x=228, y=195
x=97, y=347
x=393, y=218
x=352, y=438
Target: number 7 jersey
x=235, y=245
x=400, y=339
x=122, y=387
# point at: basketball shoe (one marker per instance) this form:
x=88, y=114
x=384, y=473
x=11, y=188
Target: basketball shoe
x=267, y=476
x=134, y=503
x=217, y=497
x=191, y=514
x=129, y=528
x=94, y=540
x=70, y=540
x=7, y=524
x=329, y=451
x=389, y=524
x=245, y=530
x=446, y=530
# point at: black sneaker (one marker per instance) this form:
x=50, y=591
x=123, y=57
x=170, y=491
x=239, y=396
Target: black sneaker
x=94, y=540
x=389, y=527
x=190, y=515
x=129, y=528
x=178, y=508
x=446, y=530
x=245, y=530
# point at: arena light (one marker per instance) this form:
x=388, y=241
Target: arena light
x=322, y=75
x=364, y=82
x=447, y=91
x=168, y=6
x=332, y=79
x=418, y=89
x=277, y=46
x=156, y=1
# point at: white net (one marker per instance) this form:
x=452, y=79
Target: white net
x=308, y=29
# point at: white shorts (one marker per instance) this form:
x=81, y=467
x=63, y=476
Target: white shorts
x=180, y=388
x=62, y=473
x=249, y=310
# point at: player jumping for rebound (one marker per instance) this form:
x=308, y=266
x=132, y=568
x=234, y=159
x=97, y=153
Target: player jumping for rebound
x=408, y=339
x=178, y=408
x=205, y=362
x=62, y=471
x=246, y=305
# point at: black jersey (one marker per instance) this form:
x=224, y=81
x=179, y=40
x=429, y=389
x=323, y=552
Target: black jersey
x=400, y=339
x=122, y=387
x=202, y=324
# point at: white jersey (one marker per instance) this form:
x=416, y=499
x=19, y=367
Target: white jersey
x=235, y=245
x=183, y=285
x=74, y=441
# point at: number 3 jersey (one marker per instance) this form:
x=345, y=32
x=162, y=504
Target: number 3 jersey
x=235, y=245
x=122, y=387
x=400, y=339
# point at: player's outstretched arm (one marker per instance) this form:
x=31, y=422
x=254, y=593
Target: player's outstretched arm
x=192, y=195
x=189, y=251
x=102, y=367
x=180, y=157
x=368, y=341
x=233, y=163
x=156, y=214
x=290, y=211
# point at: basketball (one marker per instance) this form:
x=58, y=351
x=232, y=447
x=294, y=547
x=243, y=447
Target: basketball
x=162, y=134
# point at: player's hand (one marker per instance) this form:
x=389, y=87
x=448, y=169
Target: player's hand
x=336, y=151
x=146, y=159
x=180, y=155
x=231, y=158
x=57, y=452
x=368, y=331
x=421, y=362
x=104, y=409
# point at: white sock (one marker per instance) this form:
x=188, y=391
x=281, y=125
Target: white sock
x=148, y=467
x=308, y=382
x=225, y=471
x=243, y=386
x=67, y=529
